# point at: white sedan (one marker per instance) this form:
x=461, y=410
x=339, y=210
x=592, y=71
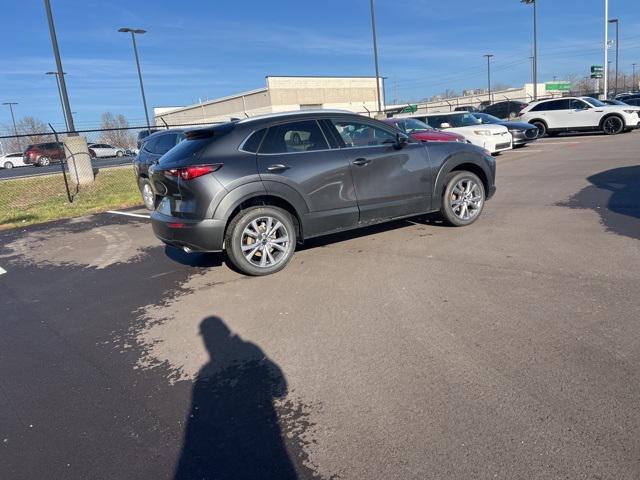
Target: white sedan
x=493, y=138
x=10, y=160
x=103, y=150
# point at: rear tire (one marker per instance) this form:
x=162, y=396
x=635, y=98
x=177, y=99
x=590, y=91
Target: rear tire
x=44, y=161
x=542, y=128
x=119, y=153
x=463, y=198
x=148, y=196
x=261, y=240
x=8, y=165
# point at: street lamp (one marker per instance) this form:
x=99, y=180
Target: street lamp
x=133, y=32
x=60, y=94
x=375, y=54
x=616, y=21
x=13, y=119
x=488, y=57
x=535, y=46
x=606, y=48
x=56, y=53
x=634, y=85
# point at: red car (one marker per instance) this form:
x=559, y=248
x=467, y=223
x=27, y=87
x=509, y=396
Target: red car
x=43, y=154
x=423, y=132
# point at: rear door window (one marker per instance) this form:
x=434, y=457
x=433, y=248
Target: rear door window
x=303, y=136
x=361, y=134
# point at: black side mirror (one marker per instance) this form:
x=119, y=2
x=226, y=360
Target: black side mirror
x=401, y=141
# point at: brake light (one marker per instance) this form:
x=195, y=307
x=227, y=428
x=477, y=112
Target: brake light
x=195, y=171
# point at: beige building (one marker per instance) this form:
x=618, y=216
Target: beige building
x=281, y=94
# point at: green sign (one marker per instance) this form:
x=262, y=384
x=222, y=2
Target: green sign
x=410, y=109
x=558, y=86
x=597, y=69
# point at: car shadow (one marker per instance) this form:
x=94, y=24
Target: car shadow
x=232, y=427
x=432, y=219
x=613, y=194
x=194, y=259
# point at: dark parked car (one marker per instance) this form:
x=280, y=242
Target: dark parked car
x=467, y=108
x=43, y=154
x=521, y=132
x=142, y=134
x=258, y=186
x=505, y=110
x=153, y=147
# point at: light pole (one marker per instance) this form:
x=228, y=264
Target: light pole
x=375, y=54
x=13, y=119
x=606, y=48
x=535, y=46
x=56, y=53
x=617, y=22
x=634, y=85
x=133, y=32
x=488, y=56
x=60, y=94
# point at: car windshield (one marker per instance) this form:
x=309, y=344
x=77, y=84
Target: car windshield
x=486, y=118
x=461, y=120
x=594, y=102
x=616, y=102
x=412, y=125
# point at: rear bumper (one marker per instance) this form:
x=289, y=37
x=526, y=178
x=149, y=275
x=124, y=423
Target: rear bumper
x=198, y=235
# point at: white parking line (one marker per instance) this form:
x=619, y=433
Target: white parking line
x=2, y=271
x=127, y=214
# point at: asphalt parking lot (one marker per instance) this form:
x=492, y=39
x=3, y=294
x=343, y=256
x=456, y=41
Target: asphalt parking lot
x=508, y=349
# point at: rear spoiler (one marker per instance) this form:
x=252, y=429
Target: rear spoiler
x=199, y=134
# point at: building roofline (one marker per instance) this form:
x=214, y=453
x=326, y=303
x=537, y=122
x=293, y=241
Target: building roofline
x=217, y=100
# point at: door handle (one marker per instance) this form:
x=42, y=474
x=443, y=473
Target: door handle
x=278, y=167
x=361, y=161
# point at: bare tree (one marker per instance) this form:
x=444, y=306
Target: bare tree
x=112, y=132
x=36, y=131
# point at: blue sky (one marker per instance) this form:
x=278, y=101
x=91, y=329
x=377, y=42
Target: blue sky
x=206, y=49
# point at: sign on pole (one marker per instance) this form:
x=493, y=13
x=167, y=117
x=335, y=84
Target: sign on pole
x=597, y=71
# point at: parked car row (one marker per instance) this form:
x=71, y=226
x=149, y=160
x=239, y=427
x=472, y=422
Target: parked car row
x=43, y=154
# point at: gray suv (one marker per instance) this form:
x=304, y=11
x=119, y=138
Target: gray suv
x=256, y=187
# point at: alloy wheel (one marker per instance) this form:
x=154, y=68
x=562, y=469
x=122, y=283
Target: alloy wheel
x=612, y=125
x=466, y=199
x=44, y=161
x=265, y=242
x=148, y=196
x=8, y=165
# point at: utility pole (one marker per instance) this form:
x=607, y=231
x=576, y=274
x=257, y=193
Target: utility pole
x=60, y=94
x=375, y=54
x=13, y=119
x=606, y=48
x=617, y=22
x=488, y=57
x=535, y=46
x=133, y=32
x=634, y=86
x=56, y=52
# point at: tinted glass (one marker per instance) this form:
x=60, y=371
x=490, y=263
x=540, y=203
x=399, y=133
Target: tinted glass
x=253, y=142
x=578, y=105
x=150, y=144
x=357, y=134
x=634, y=101
x=559, y=105
x=412, y=125
x=294, y=137
x=486, y=118
x=165, y=143
x=594, y=102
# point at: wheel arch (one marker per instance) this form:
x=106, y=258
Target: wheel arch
x=463, y=163
x=613, y=114
x=255, y=194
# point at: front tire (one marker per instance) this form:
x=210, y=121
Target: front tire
x=44, y=161
x=612, y=125
x=119, y=153
x=261, y=240
x=463, y=198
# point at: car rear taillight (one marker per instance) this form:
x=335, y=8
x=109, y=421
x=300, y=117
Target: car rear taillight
x=195, y=171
